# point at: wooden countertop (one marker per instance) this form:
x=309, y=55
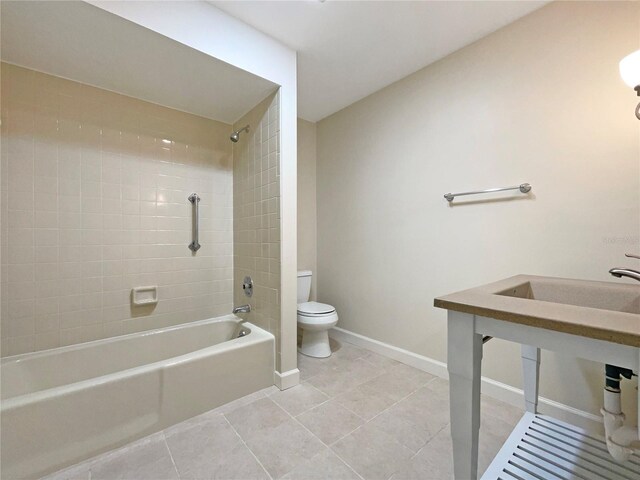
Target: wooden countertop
x=602, y=310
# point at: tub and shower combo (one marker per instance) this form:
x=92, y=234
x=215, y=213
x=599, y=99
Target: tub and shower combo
x=64, y=405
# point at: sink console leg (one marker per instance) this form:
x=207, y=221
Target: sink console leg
x=464, y=361
x=530, y=376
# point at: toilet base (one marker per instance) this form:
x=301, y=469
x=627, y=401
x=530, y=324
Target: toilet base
x=315, y=344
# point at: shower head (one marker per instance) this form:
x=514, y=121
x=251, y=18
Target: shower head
x=235, y=136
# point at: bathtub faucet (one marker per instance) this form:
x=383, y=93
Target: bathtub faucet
x=242, y=309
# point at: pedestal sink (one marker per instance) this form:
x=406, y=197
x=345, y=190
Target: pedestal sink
x=593, y=320
x=612, y=296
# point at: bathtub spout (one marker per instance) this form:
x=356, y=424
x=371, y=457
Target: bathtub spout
x=242, y=309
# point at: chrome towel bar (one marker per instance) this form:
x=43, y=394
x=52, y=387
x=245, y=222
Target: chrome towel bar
x=194, y=246
x=523, y=187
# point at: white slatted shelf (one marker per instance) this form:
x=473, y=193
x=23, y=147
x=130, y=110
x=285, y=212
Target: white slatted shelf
x=543, y=448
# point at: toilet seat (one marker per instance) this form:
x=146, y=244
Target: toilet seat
x=315, y=309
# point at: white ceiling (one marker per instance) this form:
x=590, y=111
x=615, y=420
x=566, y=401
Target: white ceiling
x=350, y=49
x=81, y=42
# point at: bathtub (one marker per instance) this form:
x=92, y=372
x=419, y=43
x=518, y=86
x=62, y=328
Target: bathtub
x=64, y=405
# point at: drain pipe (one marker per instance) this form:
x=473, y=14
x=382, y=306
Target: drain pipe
x=622, y=440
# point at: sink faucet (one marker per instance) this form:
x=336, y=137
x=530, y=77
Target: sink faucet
x=626, y=272
x=247, y=308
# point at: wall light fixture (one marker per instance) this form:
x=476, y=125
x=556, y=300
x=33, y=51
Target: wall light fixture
x=630, y=73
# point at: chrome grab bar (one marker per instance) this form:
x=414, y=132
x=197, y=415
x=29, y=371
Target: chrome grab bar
x=194, y=246
x=523, y=187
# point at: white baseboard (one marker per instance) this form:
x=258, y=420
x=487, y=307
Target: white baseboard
x=492, y=388
x=286, y=380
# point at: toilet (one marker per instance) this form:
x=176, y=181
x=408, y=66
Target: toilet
x=315, y=319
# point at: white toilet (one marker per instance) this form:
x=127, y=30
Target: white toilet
x=315, y=319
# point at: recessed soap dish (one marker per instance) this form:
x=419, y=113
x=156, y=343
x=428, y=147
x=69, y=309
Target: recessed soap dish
x=144, y=295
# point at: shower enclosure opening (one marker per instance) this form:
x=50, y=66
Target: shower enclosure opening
x=105, y=256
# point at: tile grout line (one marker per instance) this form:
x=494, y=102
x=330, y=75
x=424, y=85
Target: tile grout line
x=356, y=385
x=390, y=406
x=316, y=437
x=245, y=443
x=319, y=405
x=385, y=371
x=380, y=413
x=387, y=408
x=320, y=440
x=173, y=462
x=434, y=436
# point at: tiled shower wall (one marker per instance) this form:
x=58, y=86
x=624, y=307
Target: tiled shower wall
x=256, y=214
x=94, y=202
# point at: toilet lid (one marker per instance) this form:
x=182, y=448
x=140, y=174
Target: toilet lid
x=315, y=308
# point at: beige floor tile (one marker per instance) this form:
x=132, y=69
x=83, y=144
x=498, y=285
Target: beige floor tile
x=346, y=351
x=383, y=363
x=310, y=367
x=299, y=399
x=282, y=448
x=199, y=448
x=373, y=454
x=406, y=371
x=416, y=419
x=352, y=374
x=247, y=399
x=324, y=466
x=433, y=462
x=77, y=472
x=251, y=419
x=147, y=459
x=395, y=386
x=439, y=385
x=365, y=401
x=237, y=464
x=330, y=421
x=500, y=410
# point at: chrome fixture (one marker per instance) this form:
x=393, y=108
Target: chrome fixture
x=235, y=136
x=243, y=333
x=626, y=272
x=194, y=246
x=247, y=286
x=523, y=187
x=242, y=309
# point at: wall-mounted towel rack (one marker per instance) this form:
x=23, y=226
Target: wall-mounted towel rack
x=523, y=187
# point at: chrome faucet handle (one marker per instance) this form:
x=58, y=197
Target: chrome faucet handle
x=631, y=255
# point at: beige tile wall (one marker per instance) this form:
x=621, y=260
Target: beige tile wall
x=94, y=202
x=256, y=214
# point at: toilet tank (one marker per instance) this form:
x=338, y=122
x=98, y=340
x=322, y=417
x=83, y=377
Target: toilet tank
x=304, y=285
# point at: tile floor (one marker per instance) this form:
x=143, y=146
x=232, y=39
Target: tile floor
x=356, y=415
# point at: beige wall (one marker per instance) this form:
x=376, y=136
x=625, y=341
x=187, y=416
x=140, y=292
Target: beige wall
x=94, y=202
x=539, y=101
x=307, y=214
x=256, y=215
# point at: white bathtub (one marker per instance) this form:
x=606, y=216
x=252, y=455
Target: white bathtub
x=64, y=405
